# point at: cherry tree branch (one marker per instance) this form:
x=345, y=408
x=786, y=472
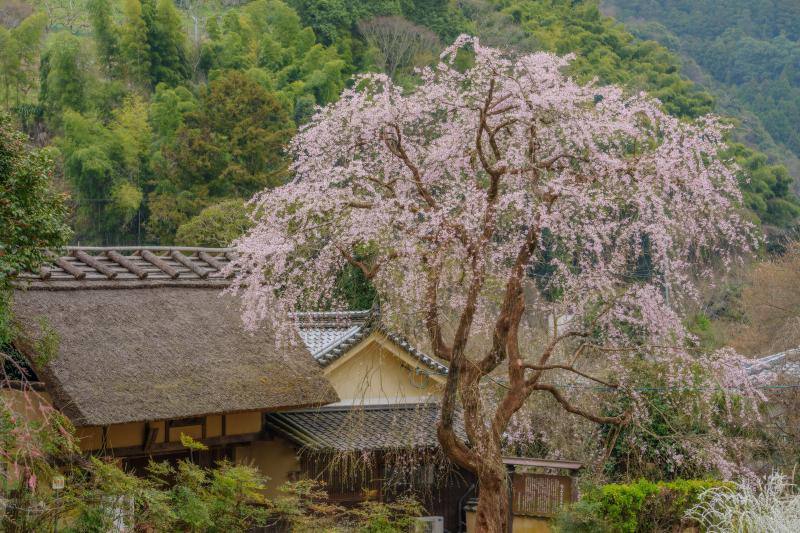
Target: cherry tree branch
x=570, y=368
x=571, y=408
x=395, y=146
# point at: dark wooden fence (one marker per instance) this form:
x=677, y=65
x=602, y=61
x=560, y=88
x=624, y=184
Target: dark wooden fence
x=540, y=494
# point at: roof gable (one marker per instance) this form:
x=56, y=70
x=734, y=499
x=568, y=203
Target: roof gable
x=331, y=335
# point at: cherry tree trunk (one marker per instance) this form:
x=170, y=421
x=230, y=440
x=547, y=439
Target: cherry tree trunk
x=492, y=515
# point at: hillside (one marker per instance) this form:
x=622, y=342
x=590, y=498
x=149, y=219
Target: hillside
x=165, y=116
x=747, y=53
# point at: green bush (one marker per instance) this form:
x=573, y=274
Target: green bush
x=642, y=506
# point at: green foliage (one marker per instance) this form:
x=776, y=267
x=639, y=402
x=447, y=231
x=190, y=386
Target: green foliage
x=676, y=434
x=229, y=146
x=167, y=109
x=134, y=45
x=154, y=127
x=46, y=344
x=766, y=188
x=217, y=225
x=639, y=507
x=106, y=161
x=353, y=287
x=607, y=51
x=267, y=36
x=19, y=53
x=167, y=42
x=64, y=80
x=749, y=51
x=105, y=34
x=391, y=517
x=304, y=507
x=191, y=444
x=31, y=213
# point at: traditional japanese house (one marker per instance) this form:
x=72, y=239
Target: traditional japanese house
x=146, y=349
x=379, y=440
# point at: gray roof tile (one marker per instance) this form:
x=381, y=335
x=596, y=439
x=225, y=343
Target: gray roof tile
x=329, y=335
x=361, y=428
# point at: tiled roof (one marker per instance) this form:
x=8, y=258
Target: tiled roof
x=131, y=265
x=329, y=335
x=771, y=367
x=361, y=428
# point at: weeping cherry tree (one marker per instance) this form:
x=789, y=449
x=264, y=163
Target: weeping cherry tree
x=452, y=196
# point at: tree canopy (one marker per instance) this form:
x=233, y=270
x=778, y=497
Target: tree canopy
x=464, y=186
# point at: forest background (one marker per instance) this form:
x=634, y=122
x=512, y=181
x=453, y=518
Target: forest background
x=163, y=116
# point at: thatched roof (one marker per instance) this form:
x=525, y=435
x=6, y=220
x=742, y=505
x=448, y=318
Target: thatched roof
x=133, y=349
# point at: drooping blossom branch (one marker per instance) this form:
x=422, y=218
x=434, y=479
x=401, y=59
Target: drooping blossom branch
x=486, y=195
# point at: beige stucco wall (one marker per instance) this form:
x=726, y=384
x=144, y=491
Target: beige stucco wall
x=124, y=435
x=276, y=459
x=240, y=423
x=213, y=426
x=195, y=432
x=26, y=403
x=377, y=370
x=90, y=438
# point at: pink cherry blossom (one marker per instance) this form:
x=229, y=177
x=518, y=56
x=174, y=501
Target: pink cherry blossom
x=470, y=186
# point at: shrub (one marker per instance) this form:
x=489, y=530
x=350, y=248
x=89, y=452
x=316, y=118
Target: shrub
x=773, y=505
x=642, y=506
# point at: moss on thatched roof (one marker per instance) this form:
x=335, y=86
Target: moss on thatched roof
x=151, y=351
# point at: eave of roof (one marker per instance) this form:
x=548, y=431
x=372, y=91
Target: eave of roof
x=361, y=428
x=330, y=335
x=770, y=367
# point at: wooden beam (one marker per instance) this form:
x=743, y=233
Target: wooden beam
x=127, y=263
x=543, y=463
x=159, y=263
x=188, y=263
x=211, y=261
x=14, y=384
x=172, y=447
x=95, y=264
x=68, y=267
x=150, y=440
x=45, y=273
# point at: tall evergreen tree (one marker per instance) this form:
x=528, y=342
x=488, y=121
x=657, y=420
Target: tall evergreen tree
x=134, y=46
x=167, y=42
x=105, y=35
x=63, y=76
